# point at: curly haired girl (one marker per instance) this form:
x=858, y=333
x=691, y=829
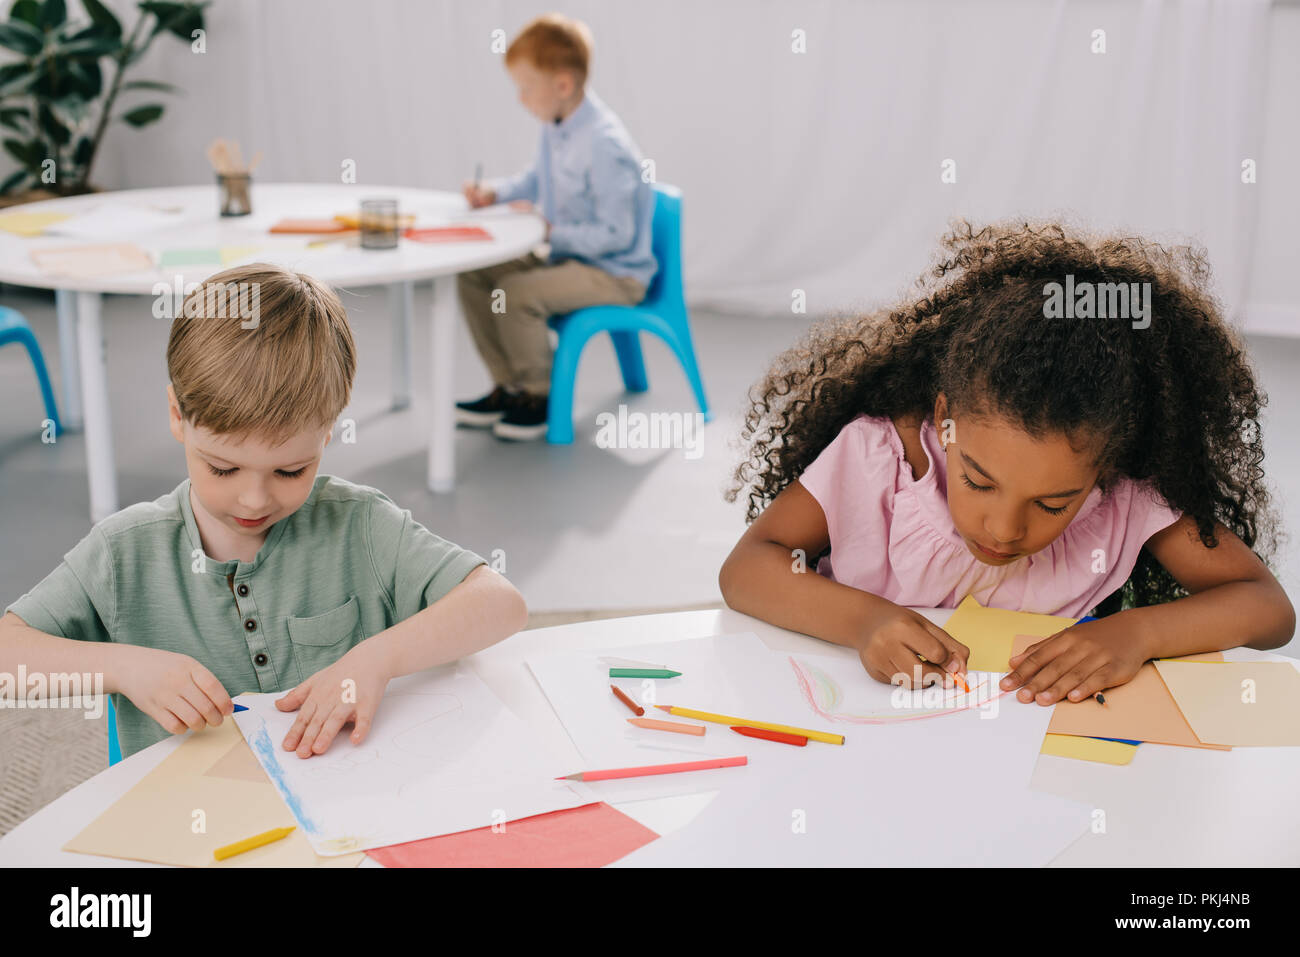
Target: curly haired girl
x=965, y=442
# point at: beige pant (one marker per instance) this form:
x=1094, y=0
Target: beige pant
x=513, y=340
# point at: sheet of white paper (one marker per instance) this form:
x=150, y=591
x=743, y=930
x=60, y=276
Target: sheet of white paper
x=923, y=778
x=725, y=674
x=444, y=755
x=116, y=221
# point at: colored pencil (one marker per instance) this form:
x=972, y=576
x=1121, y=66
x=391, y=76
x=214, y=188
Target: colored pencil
x=248, y=843
x=798, y=740
x=635, y=708
x=614, y=773
x=676, y=726
x=728, y=719
x=642, y=673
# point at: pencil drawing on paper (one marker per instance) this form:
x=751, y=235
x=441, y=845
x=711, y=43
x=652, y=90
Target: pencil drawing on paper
x=825, y=696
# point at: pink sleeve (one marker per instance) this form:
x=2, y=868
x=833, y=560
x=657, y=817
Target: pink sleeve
x=853, y=481
x=1149, y=512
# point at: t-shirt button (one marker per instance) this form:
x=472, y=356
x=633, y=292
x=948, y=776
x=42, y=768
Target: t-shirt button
x=259, y=659
x=242, y=589
x=250, y=625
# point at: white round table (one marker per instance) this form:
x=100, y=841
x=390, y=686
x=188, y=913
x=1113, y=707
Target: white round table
x=1171, y=807
x=186, y=217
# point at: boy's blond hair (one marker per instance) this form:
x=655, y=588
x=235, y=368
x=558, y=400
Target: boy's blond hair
x=554, y=42
x=286, y=368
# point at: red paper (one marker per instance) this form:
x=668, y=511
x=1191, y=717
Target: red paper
x=447, y=234
x=589, y=836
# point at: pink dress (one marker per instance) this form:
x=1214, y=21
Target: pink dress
x=893, y=536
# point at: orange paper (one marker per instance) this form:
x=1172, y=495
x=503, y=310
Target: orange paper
x=1141, y=710
x=589, y=836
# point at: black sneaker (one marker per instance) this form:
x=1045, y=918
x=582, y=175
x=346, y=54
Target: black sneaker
x=527, y=420
x=485, y=412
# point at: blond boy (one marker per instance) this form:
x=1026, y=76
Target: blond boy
x=256, y=573
x=587, y=184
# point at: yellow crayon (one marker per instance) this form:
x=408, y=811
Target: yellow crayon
x=248, y=843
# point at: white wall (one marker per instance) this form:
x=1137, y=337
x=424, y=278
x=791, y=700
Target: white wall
x=817, y=171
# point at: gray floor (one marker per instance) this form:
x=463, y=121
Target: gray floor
x=579, y=527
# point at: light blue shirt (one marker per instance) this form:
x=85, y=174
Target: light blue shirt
x=587, y=182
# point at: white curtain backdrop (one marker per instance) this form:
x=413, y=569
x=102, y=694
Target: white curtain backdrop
x=817, y=171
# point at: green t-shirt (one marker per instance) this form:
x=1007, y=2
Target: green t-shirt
x=346, y=565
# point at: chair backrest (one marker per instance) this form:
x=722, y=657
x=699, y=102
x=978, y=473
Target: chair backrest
x=666, y=242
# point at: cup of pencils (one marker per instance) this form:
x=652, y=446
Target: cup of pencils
x=233, y=178
x=379, y=224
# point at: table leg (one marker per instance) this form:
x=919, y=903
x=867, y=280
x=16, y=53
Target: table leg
x=94, y=391
x=401, y=303
x=442, y=449
x=65, y=305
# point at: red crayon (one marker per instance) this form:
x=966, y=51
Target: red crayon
x=798, y=740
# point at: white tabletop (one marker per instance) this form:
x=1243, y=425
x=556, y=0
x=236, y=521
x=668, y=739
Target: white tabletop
x=1171, y=807
x=195, y=223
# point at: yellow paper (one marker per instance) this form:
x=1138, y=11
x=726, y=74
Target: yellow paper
x=214, y=780
x=92, y=262
x=230, y=254
x=988, y=632
x=30, y=224
x=1088, y=749
x=1237, y=702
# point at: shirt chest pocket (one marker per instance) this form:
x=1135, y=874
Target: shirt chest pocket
x=321, y=640
x=574, y=193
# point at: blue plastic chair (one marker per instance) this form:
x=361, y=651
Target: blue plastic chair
x=114, y=746
x=14, y=328
x=662, y=312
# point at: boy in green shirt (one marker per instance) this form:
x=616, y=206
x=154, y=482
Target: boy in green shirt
x=257, y=574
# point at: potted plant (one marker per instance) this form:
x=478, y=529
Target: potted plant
x=54, y=101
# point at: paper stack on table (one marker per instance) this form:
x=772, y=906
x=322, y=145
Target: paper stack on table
x=443, y=755
x=208, y=793
x=1239, y=703
x=937, y=777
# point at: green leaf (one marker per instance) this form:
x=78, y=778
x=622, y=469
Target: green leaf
x=52, y=127
x=28, y=11
x=21, y=36
x=29, y=153
x=149, y=85
x=178, y=19
x=85, y=78
x=89, y=46
x=21, y=82
x=81, y=154
x=71, y=110
x=103, y=18
x=142, y=115
x=13, y=179
x=10, y=115
x=53, y=13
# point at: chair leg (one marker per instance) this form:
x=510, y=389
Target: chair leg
x=685, y=352
x=627, y=345
x=28, y=340
x=564, y=372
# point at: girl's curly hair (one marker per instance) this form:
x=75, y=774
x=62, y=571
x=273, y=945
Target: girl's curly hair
x=1174, y=403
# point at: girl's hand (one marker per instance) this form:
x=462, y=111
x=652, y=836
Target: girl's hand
x=348, y=690
x=173, y=689
x=892, y=640
x=1076, y=663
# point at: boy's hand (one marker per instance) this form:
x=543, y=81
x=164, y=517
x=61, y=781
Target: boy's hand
x=1077, y=662
x=477, y=196
x=348, y=690
x=174, y=689
x=893, y=639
